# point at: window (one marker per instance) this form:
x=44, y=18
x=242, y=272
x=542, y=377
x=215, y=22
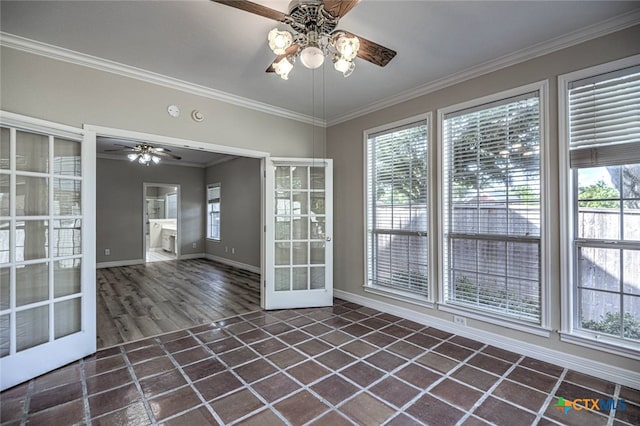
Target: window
x=397, y=209
x=213, y=212
x=491, y=206
x=602, y=149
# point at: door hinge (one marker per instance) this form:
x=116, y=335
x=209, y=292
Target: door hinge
x=265, y=228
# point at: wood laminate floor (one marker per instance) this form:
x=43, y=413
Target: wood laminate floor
x=135, y=302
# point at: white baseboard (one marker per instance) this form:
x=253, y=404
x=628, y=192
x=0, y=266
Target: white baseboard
x=119, y=263
x=584, y=365
x=192, y=256
x=235, y=264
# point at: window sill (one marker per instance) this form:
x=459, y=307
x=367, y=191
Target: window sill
x=404, y=296
x=213, y=239
x=526, y=327
x=602, y=342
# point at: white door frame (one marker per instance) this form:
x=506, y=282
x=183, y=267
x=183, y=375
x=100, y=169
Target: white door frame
x=101, y=131
x=146, y=185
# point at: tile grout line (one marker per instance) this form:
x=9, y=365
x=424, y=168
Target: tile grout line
x=85, y=393
x=550, y=396
x=136, y=382
x=27, y=402
x=489, y=392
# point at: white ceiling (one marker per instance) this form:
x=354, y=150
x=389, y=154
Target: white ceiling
x=225, y=49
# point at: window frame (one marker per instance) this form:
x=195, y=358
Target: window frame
x=396, y=293
x=209, y=236
x=543, y=328
x=568, y=268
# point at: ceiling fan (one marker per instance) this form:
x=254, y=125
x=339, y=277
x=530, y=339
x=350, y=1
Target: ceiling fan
x=314, y=35
x=145, y=154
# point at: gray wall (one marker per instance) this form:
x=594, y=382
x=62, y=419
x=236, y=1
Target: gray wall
x=345, y=146
x=71, y=94
x=240, y=182
x=119, y=207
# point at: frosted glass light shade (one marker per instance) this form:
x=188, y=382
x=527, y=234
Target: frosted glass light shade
x=347, y=47
x=312, y=57
x=283, y=67
x=279, y=41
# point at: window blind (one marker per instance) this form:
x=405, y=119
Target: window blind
x=397, y=202
x=493, y=209
x=604, y=119
x=213, y=193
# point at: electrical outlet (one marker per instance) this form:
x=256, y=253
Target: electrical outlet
x=462, y=321
x=194, y=245
x=107, y=252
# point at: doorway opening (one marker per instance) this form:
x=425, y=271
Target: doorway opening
x=161, y=219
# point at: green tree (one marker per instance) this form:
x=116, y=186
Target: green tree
x=494, y=147
x=610, y=324
x=599, y=195
x=401, y=167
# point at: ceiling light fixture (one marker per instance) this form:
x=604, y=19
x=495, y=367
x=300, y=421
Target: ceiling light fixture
x=312, y=47
x=145, y=156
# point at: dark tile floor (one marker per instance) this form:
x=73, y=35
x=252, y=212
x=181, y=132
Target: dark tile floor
x=328, y=366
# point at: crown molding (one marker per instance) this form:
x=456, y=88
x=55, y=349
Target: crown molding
x=70, y=56
x=582, y=35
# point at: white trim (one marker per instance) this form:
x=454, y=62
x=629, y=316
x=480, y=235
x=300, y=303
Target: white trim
x=601, y=342
x=582, y=35
x=487, y=317
x=567, y=331
x=70, y=56
x=167, y=140
x=118, y=263
x=389, y=292
x=37, y=125
x=584, y=365
x=542, y=87
x=234, y=263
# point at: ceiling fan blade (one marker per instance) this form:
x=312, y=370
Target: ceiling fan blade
x=166, y=155
x=291, y=50
x=120, y=150
x=159, y=149
x=339, y=8
x=254, y=8
x=372, y=52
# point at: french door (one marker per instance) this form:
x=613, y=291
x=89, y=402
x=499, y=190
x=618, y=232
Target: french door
x=299, y=226
x=47, y=247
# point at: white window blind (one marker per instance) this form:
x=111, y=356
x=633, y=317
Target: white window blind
x=492, y=207
x=604, y=144
x=397, y=208
x=213, y=211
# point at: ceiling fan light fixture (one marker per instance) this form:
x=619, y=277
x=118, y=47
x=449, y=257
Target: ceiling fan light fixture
x=132, y=157
x=347, y=46
x=279, y=41
x=341, y=64
x=312, y=57
x=155, y=159
x=284, y=66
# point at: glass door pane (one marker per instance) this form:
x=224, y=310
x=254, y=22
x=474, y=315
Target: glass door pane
x=42, y=284
x=300, y=243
